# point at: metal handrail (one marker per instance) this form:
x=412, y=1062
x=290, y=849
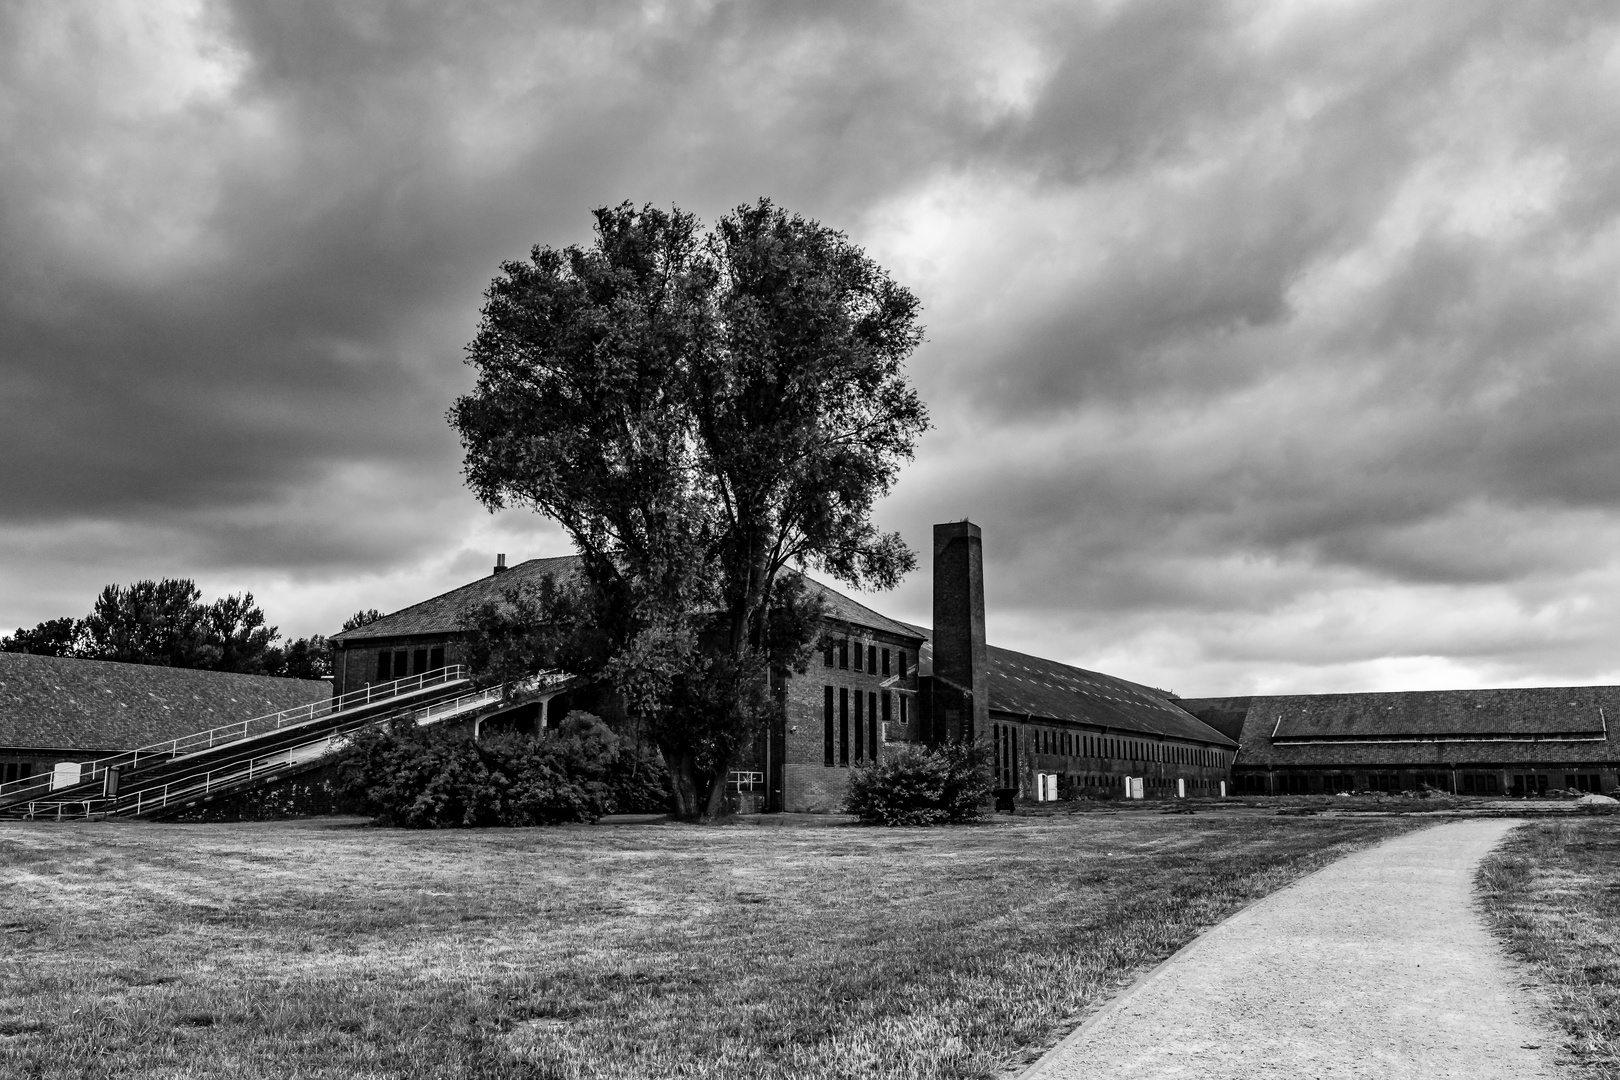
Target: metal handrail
x=206, y=740
x=207, y=780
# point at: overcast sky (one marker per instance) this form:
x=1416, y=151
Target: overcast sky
x=1274, y=346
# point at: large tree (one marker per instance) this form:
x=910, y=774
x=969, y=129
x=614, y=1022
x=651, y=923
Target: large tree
x=702, y=411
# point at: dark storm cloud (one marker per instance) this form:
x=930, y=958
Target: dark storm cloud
x=1256, y=331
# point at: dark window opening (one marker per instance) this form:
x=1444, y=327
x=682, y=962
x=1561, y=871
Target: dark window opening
x=872, y=723
x=827, y=727
x=885, y=663
x=843, y=725
x=385, y=666
x=419, y=662
x=871, y=659
x=436, y=658
x=843, y=654
x=902, y=663
x=857, y=658
x=905, y=710
x=826, y=655
x=860, y=743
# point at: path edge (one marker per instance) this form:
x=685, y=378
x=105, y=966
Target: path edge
x=1034, y=1069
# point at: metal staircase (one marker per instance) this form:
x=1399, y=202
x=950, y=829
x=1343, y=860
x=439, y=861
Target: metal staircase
x=167, y=775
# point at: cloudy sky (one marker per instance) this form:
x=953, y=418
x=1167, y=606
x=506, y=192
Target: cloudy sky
x=1276, y=346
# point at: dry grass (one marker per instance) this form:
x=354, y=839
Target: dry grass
x=1552, y=891
x=771, y=949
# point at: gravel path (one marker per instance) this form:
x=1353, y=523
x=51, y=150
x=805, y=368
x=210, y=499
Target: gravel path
x=1375, y=966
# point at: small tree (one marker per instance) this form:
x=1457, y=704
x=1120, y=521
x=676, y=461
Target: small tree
x=700, y=412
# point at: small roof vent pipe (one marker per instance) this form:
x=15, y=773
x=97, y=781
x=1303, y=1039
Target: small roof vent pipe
x=500, y=564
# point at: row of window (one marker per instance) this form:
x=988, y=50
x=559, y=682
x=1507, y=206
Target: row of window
x=1074, y=744
x=1468, y=783
x=403, y=663
x=839, y=722
x=876, y=661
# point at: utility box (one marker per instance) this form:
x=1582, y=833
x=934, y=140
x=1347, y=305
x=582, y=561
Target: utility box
x=1134, y=788
x=109, y=783
x=1049, y=787
x=1181, y=787
x=64, y=774
x=1223, y=789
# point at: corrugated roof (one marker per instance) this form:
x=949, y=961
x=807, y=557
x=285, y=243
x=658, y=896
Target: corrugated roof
x=440, y=614
x=1027, y=685
x=61, y=703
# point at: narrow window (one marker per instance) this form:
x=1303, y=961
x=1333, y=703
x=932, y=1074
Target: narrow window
x=827, y=727
x=885, y=663
x=436, y=658
x=902, y=663
x=860, y=743
x=871, y=659
x=419, y=662
x=843, y=725
x=843, y=654
x=385, y=666
x=905, y=710
x=401, y=660
x=826, y=654
x=888, y=705
x=857, y=652
x=872, y=723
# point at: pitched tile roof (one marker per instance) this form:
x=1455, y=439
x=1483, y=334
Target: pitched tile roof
x=60, y=703
x=1526, y=724
x=1031, y=686
x=440, y=614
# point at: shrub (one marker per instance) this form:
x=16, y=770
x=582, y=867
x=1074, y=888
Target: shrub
x=432, y=778
x=920, y=785
x=640, y=782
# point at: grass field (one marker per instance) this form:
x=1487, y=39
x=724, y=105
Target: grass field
x=770, y=949
x=1552, y=890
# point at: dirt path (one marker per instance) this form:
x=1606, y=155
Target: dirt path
x=1376, y=966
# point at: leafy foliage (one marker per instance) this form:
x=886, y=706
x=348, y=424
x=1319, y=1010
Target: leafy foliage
x=361, y=618
x=440, y=778
x=167, y=623
x=533, y=627
x=54, y=637
x=921, y=785
x=699, y=411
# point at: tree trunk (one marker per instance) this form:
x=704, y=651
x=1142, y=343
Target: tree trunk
x=683, y=782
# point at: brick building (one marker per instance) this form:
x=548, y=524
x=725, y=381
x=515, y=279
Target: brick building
x=879, y=681
x=1471, y=742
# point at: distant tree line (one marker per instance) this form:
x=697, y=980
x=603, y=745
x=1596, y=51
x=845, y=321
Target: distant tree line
x=167, y=623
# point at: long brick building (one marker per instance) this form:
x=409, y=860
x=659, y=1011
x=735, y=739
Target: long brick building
x=1471, y=742
x=880, y=681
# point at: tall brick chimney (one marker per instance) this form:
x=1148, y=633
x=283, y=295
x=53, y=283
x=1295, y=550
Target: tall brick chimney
x=961, y=705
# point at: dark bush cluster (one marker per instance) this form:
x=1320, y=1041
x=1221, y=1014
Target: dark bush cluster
x=429, y=778
x=920, y=785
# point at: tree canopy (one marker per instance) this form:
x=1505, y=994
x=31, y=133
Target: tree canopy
x=167, y=623
x=704, y=412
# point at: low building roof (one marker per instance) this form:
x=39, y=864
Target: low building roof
x=1041, y=689
x=59, y=703
x=1521, y=724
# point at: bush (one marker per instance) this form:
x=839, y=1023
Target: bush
x=432, y=778
x=920, y=785
x=640, y=783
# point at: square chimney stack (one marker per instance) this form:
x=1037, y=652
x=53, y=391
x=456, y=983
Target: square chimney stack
x=961, y=705
x=500, y=564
